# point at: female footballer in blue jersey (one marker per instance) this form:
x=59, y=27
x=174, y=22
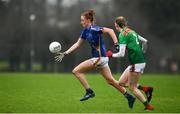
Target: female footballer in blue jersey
x=93, y=34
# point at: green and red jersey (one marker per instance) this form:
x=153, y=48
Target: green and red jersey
x=130, y=39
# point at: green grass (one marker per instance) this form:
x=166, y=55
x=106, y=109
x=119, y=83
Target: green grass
x=41, y=93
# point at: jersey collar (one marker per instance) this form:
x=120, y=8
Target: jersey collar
x=123, y=29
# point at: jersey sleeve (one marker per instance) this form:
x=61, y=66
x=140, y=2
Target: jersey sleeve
x=122, y=50
x=97, y=29
x=83, y=34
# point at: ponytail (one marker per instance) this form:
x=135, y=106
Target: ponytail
x=89, y=14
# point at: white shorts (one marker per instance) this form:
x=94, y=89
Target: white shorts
x=137, y=67
x=103, y=62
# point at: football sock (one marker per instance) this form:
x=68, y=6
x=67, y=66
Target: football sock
x=139, y=87
x=144, y=88
x=89, y=90
x=126, y=94
x=145, y=103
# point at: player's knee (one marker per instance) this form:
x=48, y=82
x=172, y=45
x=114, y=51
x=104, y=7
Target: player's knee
x=75, y=72
x=121, y=83
x=132, y=88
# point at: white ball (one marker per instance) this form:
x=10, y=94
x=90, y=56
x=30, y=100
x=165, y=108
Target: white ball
x=54, y=47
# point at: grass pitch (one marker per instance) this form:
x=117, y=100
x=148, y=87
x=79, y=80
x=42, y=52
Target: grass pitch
x=60, y=93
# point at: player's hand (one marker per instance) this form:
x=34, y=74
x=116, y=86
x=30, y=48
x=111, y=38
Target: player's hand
x=109, y=53
x=144, y=46
x=116, y=48
x=59, y=56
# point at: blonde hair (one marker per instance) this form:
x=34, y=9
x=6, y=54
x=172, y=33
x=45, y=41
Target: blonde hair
x=121, y=21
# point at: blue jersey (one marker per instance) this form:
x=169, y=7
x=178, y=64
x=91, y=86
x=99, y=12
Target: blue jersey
x=93, y=35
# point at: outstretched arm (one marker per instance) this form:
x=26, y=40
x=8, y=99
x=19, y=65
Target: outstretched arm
x=74, y=46
x=59, y=56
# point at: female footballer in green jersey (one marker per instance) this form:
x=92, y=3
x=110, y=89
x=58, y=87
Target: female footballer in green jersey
x=128, y=41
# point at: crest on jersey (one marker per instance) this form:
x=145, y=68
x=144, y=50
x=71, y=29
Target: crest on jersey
x=93, y=28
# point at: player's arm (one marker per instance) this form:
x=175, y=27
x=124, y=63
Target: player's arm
x=74, y=46
x=113, y=36
x=142, y=39
x=111, y=33
x=59, y=56
x=144, y=43
x=122, y=51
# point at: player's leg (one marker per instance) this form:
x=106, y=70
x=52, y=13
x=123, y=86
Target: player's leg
x=79, y=71
x=133, y=81
x=148, y=91
x=123, y=81
x=106, y=73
